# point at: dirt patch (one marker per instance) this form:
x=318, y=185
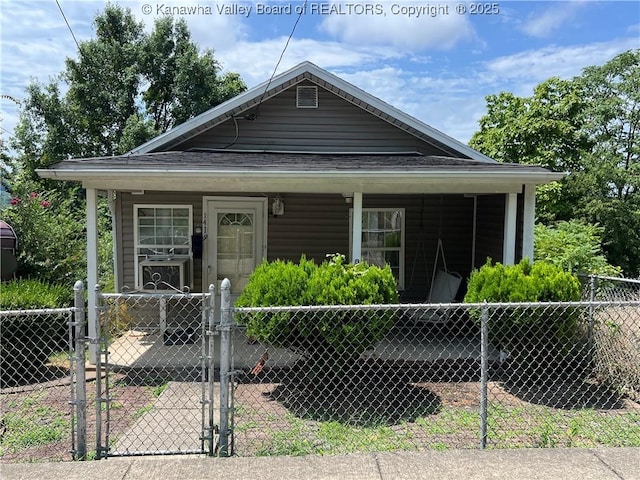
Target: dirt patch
x=272, y=419
x=45, y=404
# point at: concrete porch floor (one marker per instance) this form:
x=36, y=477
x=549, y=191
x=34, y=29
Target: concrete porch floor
x=147, y=349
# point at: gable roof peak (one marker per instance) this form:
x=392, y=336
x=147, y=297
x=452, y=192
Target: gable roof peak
x=273, y=86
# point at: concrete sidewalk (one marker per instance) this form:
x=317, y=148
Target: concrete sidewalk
x=556, y=464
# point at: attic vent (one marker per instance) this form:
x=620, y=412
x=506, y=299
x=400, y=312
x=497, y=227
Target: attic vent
x=307, y=97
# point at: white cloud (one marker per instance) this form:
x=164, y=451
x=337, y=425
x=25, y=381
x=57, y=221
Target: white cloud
x=530, y=67
x=394, y=26
x=255, y=61
x=453, y=102
x=553, y=18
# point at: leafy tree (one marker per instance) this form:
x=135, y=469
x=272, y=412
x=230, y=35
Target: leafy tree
x=544, y=129
x=182, y=82
x=574, y=246
x=124, y=87
x=587, y=127
x=611, y=177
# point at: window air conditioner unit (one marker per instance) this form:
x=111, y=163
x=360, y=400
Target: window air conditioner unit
x=160, y=274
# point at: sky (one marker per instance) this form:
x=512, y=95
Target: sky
x=435, y=60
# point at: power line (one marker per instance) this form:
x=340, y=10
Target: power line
x=4, y=129
x=68, y=26
x=273, y=74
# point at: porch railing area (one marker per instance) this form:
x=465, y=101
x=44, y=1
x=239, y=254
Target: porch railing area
x=177, y=374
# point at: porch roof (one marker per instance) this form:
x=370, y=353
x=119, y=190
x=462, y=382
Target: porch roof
x=236, y=171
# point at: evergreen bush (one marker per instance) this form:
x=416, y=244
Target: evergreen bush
x=528, y=332
x=337, y=335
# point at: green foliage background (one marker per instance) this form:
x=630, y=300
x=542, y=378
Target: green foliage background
x=588, y=127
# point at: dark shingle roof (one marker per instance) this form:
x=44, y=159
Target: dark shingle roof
x=208, y=161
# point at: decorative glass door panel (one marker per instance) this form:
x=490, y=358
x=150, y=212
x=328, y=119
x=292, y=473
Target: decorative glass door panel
x=236, y=256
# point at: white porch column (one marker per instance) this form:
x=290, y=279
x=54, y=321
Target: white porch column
x=92, y=267
x=529, y=220
x=356, y=237
x=509, y=239
x=111, y=195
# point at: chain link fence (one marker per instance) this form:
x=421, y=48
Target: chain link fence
x=169, y=374
x=441, y=376
x=36, y=379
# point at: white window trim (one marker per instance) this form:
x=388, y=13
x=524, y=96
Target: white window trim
x=136, y=245
x=401, y=267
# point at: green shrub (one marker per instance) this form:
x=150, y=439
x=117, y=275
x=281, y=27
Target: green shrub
x=524, y=282
x=530, y=327
x=29, y=294
x=573, y=246
x=27, y=341
x=334, y=334
x=50, y=231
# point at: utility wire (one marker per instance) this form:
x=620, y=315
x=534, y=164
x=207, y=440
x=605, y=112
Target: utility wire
x=302, y=10
x=68, y=26
x=5, y=130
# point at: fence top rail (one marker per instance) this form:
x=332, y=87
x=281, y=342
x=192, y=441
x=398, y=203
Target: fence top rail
x=156, y=295
x=615, y=279
x=432, y=306
x=35, y=311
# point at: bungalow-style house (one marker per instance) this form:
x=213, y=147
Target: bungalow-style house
x=305, y=163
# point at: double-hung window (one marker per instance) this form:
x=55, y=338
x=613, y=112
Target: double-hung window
x=162, y=233
x=383, y=239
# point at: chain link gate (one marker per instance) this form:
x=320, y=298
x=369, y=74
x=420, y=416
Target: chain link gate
x=155, y=393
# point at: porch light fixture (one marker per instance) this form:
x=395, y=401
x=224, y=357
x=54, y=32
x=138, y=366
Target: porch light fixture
x=277, y=208
x=348, y=197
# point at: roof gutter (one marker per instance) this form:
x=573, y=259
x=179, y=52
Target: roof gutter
x=537, y=177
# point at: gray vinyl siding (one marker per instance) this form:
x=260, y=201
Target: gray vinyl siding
x=336, y=125
x=313, y=225
x=318, y=225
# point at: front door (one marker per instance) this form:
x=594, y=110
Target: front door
x=236, y=240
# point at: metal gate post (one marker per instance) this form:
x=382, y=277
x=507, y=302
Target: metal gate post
x=484, y=374
x=592, y=298
x=97, y=341
x=81, y=375
x=225, y=351
x=208, y=370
